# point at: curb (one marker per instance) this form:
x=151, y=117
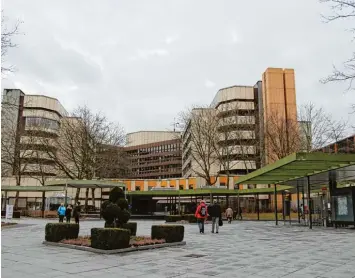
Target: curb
x=116, y=251
x=9, y=226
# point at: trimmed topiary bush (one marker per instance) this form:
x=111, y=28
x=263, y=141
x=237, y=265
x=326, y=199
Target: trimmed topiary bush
x=132, y=227
x=110, y=238
x=55, y=232
x=173, y=218
x=171, y=233
x=115, y=210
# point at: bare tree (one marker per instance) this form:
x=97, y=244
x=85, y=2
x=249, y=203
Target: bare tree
x=282, y=137
x=7, y=42
x=314, y=129
x=81, y=150
x=318, y=128
x=200, y=136
x=342, y=10
x=15, y=154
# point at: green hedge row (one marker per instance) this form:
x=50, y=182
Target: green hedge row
x=131, y=226
x=175, y=218
x=15, y=214
x=55, y=232
x=171, y=233
x=110, y=238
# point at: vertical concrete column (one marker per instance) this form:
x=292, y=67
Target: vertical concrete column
x=133, y=185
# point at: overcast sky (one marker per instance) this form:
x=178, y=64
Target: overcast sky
x=141, y=62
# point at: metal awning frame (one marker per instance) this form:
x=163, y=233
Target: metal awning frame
x=296, y=167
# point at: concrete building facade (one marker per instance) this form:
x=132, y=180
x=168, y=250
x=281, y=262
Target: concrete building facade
x=26, y=120
x=154, y=154
x=243, y=114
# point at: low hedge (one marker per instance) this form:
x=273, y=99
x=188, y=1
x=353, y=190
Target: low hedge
x=110, y=238
x=132, y=226
x=173, y=218
x=55, y=232
x=171, y=233
x=15, y=214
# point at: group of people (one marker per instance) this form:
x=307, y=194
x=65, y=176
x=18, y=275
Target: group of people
x=215, y=211
x=68, y=212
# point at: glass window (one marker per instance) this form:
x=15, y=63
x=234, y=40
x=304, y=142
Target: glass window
x=42, y=123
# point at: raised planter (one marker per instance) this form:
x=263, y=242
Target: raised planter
x=132, y=227
x=7, y=225
x=171, y=233
x=110, y=238
x=115, y=251
x=55, y=232
x=176, y=218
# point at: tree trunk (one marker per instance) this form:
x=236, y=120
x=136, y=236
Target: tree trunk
x=86, y=199
x=18, y=183
x=93, y=196
x=16, y=200
x=77, y=195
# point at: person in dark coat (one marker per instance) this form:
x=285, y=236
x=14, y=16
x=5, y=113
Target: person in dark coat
x=76, y=213
x=216, y=213
x=68, y=212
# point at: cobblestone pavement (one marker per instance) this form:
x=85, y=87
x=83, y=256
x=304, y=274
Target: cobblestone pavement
x=241, y=249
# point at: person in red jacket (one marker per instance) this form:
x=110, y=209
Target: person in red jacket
x=201, y=214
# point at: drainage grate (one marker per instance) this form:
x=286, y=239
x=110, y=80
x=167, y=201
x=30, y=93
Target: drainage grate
x=195, y=256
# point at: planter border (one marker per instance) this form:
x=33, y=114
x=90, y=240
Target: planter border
x=116, y=251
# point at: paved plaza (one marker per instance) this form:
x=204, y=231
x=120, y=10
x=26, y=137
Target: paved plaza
x=242, y=249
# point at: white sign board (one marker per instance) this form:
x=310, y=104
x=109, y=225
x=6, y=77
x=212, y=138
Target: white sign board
x=9, y=211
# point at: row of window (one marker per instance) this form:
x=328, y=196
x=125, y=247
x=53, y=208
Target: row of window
x=156, y=170
x=155, y=159
x=181, y=187
x=157, y=149
x=42, y=123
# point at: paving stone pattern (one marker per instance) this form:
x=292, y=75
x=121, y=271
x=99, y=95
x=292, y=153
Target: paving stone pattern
x=241, y=249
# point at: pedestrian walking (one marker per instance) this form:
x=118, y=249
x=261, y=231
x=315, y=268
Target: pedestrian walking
x=216, y=213
x=201, y=214
x=76, y=213
x=239, y=215
x=229, y=215
x=61, y=212
x=68, y=213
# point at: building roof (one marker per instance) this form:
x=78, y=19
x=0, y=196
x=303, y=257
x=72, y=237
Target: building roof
x=85, y=183
x=207, y=192
x=155, y=131
x=31, y=188
x=234, y=86
x=293, y=169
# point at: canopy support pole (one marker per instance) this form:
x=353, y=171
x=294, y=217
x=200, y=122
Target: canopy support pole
x=298, y=203
x=283, y=206
x=179, y=204
x=66, y=194
x=275, y=200
x=257, y=205
x=100, y=200
x=309, y=201
x=43, y=202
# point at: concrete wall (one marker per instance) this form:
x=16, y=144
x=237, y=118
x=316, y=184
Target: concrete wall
x=147, y=137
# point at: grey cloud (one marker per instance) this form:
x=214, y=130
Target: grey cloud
x=141, y=62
